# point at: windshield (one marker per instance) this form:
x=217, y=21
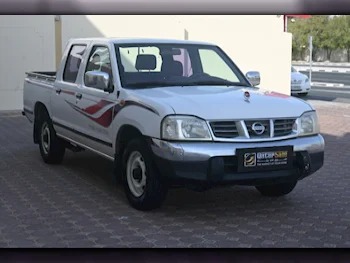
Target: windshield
x=294, y=70
x=157, y=65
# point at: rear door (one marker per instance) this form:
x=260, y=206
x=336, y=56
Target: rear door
x=95, y=106
x=64, y=95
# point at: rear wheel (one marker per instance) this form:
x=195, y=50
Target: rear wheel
x=51, y=147
x=276, y=190
x=144, y=188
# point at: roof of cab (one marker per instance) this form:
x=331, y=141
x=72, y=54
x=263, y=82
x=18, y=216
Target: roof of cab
x=143, y=40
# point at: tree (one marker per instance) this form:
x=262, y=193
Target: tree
x=300, y=39
x=329, y=33
x=318, y=27
x=346, y=35
x=334, y=34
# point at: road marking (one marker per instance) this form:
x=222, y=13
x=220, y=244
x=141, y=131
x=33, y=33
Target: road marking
x=325, y=70
x=323, y=84
x=331, y=91
x=294, y=63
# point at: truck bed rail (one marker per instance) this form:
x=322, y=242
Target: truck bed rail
x=44, y=78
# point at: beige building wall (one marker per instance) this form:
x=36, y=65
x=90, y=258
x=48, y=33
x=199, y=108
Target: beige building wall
x=32, y=43
x=26, y=44
x=254, y=42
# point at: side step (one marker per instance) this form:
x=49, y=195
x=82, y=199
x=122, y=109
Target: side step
x=73, y=147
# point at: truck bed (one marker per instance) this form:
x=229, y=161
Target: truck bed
x=43, y=77
x=38, y=86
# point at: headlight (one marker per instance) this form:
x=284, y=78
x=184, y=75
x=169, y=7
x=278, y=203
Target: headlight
x=185, y=128
x=306, y=80
x=308, y=124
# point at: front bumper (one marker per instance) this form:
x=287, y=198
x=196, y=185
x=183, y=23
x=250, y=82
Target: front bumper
x=216, y=162
x=304, y=87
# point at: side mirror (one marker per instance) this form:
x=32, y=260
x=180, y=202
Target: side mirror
x=253, y=77
x=98, y=80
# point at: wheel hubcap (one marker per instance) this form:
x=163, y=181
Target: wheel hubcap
x=45, y=138
x=136, y=174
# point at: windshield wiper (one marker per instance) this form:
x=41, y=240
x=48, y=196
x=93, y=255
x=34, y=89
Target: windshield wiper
x=150, y=84
x=155, y=84
x=218, y=83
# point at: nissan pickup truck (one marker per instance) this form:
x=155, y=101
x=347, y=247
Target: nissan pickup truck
x=171, y=113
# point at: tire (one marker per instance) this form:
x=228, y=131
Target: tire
x=51, y=147
x=304, y=94
x=276, y=190
x=139, y=169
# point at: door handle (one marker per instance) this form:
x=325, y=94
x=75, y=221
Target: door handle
x=78, y=96
x=58, y=91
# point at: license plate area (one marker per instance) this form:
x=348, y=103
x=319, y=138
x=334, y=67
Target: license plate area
x=296, y=87
x=264, y=159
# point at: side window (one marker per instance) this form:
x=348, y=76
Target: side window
x=73, y=62
x=99, y=60
x=215, y=66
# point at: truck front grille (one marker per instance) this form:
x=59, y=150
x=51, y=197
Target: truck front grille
x=283, y=127
x=224, y=129
x=266, y=123
x=255, y=129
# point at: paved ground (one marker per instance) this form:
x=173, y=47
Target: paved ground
x=328, y=77
x=333, y=87
x=77, y=205
x=330, y=94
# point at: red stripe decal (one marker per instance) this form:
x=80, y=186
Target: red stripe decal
x=97, y=107
x=105, y=119
x=108, y=116
x=276, y=94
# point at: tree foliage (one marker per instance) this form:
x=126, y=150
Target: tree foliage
x=329, y=33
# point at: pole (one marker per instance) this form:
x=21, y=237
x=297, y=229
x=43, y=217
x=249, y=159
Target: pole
x=285, y=23
x=58, y=40
x=310, y=59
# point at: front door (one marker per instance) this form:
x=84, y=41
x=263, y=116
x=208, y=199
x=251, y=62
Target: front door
x=96, y=106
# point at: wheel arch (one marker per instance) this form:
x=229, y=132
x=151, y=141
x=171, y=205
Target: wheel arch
x=40, y=111
x=125, y=133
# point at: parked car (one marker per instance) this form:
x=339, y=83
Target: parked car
x=300, y=83
x=171, y=113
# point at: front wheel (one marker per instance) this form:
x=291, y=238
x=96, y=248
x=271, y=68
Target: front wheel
x=276, y=190
x=304, y=94
x=144, y=188
x=51, y=147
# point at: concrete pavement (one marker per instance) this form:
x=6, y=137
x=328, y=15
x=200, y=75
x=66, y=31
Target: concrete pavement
x=76, y=204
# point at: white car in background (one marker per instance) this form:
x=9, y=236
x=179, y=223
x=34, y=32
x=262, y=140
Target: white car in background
x=300, y=83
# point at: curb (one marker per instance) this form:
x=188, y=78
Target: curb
x=296, y=63
x=321, y=84
x=329, y=70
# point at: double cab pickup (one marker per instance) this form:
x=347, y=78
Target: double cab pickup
x=171, y=113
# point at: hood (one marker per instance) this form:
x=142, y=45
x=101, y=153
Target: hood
x=298, y=76
x=225, y=103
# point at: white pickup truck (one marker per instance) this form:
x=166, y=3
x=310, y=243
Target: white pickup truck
x=171, y=113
